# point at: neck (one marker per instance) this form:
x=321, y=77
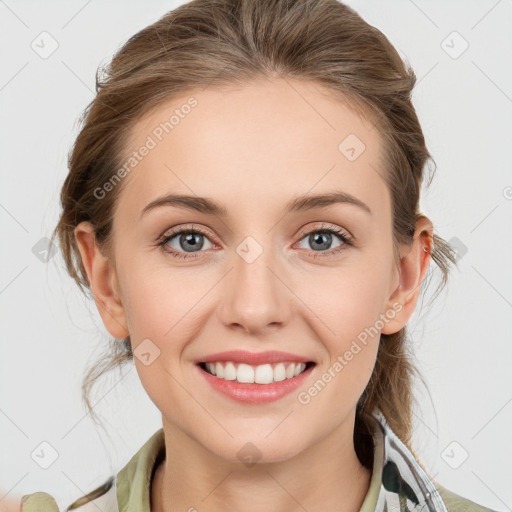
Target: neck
x=326, y=476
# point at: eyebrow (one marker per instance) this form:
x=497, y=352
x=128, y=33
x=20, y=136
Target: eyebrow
x=211, y=207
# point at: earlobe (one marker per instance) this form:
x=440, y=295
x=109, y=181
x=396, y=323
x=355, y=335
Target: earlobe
x=103, y=281
x=413, y=267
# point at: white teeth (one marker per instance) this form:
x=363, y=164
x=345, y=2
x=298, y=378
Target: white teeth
x=230, y=371
x=298, y=369
x=244, y=373
x=219, y=370
x=264, y=374
x=279, y=372
x=261, y=374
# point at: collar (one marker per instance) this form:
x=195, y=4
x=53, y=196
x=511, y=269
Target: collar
x=403, y=484
x=398, y=482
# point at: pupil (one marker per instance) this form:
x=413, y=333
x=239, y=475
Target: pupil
x=324, y=240
x=190, y=238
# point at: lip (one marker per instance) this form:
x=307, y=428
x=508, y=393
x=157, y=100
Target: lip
x=255, y=393
x=254, y=358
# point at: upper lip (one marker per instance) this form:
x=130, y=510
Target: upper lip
x=254, y=358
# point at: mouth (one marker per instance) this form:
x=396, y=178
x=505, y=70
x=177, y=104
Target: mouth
x=265, y=374
x=255, y=378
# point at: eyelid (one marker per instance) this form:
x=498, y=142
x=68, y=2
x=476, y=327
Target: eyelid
x=172, y=232
x=326, y=227
x=183, y=227
x=301, y=234
x=345, y=236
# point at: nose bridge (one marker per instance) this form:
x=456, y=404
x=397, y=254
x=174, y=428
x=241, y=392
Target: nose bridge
x=254, y=296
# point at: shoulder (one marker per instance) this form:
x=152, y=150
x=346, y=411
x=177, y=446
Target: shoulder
x=38, y=501
x=130, y=486
x=102, y=498
x=456, y=503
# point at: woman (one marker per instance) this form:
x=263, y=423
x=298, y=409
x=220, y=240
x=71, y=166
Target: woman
x=243, y=205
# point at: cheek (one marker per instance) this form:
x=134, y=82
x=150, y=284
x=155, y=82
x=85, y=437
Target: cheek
x=159, y=305
x=348, y=306
x=347, y=300
x=150, y=308
x=157, y=298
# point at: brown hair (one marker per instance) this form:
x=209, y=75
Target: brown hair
x=220, y=42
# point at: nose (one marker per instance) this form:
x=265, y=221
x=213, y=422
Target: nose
x=255, y=297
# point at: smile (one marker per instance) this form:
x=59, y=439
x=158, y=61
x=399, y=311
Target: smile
x=251, y=374
x=255, y=385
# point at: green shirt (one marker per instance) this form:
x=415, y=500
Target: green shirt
x=129, y=491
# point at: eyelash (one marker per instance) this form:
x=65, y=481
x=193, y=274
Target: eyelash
x=317, y=254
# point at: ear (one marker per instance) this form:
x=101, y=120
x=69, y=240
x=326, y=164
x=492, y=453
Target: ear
x=103, y=281
x=412, y=269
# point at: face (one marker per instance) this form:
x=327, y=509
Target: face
x=268, y=271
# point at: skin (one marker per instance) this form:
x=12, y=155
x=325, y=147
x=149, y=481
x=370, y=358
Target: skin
x=253, y=148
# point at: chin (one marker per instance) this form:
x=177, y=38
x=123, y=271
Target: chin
x=256, y=449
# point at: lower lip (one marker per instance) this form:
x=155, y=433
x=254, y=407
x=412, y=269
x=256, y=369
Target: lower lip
x=255, y=393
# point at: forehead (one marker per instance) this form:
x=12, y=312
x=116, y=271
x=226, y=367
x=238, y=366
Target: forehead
x=265, y=141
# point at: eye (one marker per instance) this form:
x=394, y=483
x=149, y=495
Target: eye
x=184, y=242
x=321, y=239
x=189, y=240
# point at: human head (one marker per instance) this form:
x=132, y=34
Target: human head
x=227, y=43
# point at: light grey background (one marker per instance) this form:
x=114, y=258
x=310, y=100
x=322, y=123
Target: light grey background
x=50, y=333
